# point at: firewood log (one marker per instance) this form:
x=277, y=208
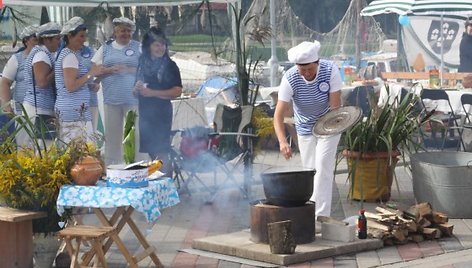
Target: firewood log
x=377, y=225
x=424, y=222
x=439, y=217
x=446, y=229
x=416, y=238
x=412, y=226
x=424, y=210
x=373, y=216
x=431, y=233
x=385, y=211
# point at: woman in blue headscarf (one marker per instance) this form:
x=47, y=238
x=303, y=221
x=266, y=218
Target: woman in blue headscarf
x=158, y=82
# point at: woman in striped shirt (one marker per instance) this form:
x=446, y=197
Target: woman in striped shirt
x=72, y=78
x=14, y=72
x=118, y=60
x=39, y=76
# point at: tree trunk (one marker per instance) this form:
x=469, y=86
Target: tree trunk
x=280, y=237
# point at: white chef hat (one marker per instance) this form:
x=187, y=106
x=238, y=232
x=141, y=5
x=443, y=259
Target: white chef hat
x=74, y=24
x=124, y=21
x=29, y=31
x=305, y=52
x=49, y=29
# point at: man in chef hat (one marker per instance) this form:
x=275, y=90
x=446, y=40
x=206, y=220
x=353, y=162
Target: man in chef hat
x=313, y=86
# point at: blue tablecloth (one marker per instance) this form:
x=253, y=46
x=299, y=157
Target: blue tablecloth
x=149, y=200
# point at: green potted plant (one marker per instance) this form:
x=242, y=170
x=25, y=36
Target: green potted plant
x=372, y=146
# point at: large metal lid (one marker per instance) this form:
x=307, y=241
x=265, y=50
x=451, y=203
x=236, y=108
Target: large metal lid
x=337, y=121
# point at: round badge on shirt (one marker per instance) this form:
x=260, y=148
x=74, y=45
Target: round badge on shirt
x=86, y=54
x=129, y=52
x=324, y=87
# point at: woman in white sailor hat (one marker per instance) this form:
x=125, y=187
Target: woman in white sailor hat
x=72, y=78
x=314, y=87
x=118, y=60
x=39, y=74
x=13, y=72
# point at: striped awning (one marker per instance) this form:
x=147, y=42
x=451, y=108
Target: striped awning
x=95, y=3
x=442, y=7
x=447, y=8
x=377, y=7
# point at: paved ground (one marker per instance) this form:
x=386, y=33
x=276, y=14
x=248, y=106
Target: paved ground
x=194, y=218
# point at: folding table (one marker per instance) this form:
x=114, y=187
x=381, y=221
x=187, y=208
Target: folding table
x=160, y=194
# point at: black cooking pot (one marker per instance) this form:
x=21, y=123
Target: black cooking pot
x=288, y=187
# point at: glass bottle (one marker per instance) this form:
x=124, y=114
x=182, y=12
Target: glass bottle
x=362, y=225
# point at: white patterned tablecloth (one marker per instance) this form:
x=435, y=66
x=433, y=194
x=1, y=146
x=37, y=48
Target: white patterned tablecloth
x=148, y=200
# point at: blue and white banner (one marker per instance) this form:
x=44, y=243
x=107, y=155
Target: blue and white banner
x=423, y=36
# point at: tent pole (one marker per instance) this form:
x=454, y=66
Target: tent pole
x=358, y=35
x=273, y=62
x=399, y=50
x=442, y=51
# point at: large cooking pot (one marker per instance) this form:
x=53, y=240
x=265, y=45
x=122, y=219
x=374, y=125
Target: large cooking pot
x=283, y=187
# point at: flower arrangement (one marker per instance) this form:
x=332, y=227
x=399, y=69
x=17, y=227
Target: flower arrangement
x=30, y=182
x=31, y=176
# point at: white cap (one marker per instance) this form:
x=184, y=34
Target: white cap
x=124, y=21
x=28, y=31
x=305, y=52
x=49, y=29
x=73, y=24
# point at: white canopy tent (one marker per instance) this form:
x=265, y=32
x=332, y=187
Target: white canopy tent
x=113, y=3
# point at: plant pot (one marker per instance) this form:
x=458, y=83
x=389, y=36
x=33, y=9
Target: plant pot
x=45, y=249
x=86, y=171
x=370, y=175
x=288, y=188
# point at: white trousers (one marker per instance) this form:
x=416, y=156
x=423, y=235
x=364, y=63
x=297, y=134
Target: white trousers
x=114, y=121
x=79, y=129
x=320, y=154
x=95, y=115
x=31, y=111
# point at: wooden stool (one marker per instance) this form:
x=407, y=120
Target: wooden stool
x=93, y=234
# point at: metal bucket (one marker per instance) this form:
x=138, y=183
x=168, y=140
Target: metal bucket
x=444, y=179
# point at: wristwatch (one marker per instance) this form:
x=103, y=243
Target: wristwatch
x=89, y=76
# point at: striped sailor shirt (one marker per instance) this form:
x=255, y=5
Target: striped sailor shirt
x=45, y=97
x=71, y=106
x=118, y=88
x=310, y=98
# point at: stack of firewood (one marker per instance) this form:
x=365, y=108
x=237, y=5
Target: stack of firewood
x=398, y=224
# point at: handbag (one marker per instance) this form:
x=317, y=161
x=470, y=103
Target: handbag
x=45, y=126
